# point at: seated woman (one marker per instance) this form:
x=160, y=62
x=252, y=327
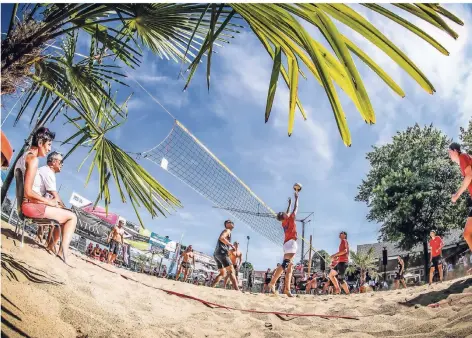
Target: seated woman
x=34, y=204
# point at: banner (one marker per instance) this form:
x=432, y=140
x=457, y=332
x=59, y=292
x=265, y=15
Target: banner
x=92, y=226
x=139, y=238
x=100, y=212
x=78, y=201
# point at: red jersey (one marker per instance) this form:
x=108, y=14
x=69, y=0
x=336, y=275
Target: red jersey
x=465, y=161
x=290, y=228
x=334, y=263
x=344, y=246
x=435, y=245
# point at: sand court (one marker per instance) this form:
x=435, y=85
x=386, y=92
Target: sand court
x=42, y=297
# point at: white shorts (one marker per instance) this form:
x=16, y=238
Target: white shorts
x=290, y=246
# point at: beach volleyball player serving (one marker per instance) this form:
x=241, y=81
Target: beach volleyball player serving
x=290, y=243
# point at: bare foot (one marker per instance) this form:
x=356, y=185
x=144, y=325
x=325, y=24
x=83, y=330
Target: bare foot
x=288, y=293
x=272, y=290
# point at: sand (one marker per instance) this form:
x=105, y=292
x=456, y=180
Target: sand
x=42, y=297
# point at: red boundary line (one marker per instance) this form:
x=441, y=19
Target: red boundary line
x=181, y=295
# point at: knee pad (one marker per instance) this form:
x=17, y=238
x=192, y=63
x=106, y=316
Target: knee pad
x=285, y=263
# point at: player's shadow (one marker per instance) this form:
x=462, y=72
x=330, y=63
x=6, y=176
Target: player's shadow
x=11, y=267
x=9, y=233
x=432, y=297
x=10, y=314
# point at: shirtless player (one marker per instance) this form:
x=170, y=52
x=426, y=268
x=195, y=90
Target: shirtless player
x=290, y=246
x=236, y=258
x=185, y=265
x=115, y=238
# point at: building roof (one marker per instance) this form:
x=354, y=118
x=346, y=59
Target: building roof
x=454, y=237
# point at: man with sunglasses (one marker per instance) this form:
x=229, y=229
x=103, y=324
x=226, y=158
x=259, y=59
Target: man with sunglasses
x=221, y=255
x=48, y=187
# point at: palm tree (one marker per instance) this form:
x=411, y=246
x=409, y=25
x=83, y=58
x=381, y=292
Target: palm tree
x=174, y=31
x=186, y=33
x=365, y=262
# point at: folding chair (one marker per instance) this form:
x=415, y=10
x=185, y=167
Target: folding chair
x=20, y=191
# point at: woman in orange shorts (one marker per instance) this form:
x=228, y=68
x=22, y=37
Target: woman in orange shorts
x=36, y=206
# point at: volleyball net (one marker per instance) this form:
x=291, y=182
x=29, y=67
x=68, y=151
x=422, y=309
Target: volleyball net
x=185, y=157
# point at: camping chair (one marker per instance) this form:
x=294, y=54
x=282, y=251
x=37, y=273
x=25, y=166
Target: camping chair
x=20, y=191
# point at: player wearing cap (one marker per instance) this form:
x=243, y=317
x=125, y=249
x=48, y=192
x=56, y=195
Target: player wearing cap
x=465, y=162
x=290, y=246
x=436, y=245
x=336, y=275
x=221, y=255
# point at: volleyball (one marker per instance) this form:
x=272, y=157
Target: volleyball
x=297, y=187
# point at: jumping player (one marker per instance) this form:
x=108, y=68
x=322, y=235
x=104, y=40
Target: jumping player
x=221, y=255
x=290, y=246
x=465, y=162
x=337, y=273
x=436, y=245
x=185, y=265
x=399, y=275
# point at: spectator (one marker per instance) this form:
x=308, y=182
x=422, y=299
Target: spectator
x=34, y=205
x=164, y=272
x=96, y=252
x=48, y=186
x=89, y=249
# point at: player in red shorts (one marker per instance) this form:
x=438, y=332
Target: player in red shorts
x=465, y=162
x=436, y=245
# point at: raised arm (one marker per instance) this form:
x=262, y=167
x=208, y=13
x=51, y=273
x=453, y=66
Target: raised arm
x=295, y=207
x=289, y=204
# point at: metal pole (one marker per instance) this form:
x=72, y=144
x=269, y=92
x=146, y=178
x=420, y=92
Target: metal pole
x=303, y=242
x=309, y=258
x=247, y=247
x=246, y=265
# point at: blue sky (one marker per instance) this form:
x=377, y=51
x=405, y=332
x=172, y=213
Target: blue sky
x=229, y=120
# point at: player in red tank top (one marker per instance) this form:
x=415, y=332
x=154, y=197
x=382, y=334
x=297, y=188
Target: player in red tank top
x=464, y=160
x=436, y=245
x=290, y=246
x=337, y=273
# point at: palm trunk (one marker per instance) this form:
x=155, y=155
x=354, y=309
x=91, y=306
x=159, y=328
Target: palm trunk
x=41, y=122
x=363, y=276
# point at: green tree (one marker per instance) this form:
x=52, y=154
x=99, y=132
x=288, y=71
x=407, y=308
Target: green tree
x=365, y=262
x=409, y=187
x=466, y=138
x=246, y=266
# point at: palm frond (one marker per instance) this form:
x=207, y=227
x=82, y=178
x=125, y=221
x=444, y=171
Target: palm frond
x=278, y=26
x=134, y=183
